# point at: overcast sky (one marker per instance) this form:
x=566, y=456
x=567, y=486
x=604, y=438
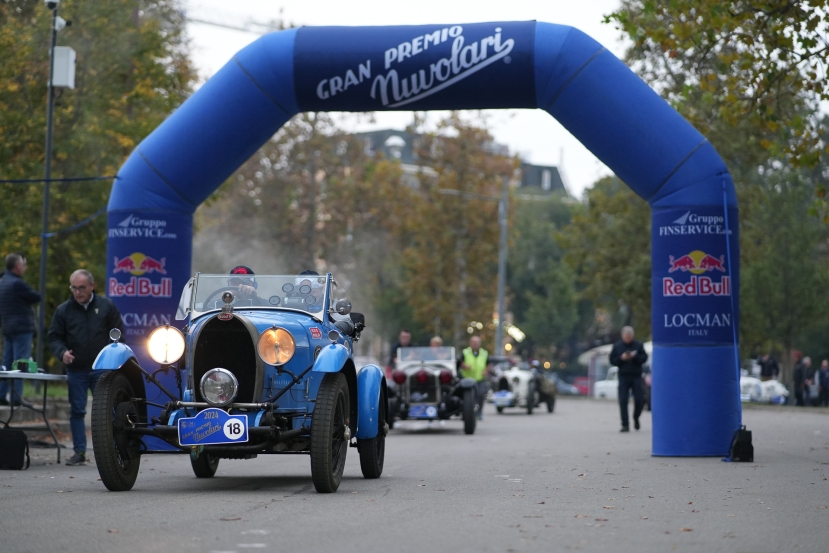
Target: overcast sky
x=533, y=134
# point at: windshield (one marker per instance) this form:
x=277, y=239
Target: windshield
x=308, y=293
x=426, y=354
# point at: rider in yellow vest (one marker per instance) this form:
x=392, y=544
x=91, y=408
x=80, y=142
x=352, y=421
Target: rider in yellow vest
x=473, y=365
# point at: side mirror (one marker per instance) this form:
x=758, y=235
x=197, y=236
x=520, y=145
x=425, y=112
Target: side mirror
x=342, y=307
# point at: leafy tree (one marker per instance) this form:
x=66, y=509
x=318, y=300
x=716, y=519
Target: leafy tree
x=785, y=282
x=608, y=246
x=132, y=71
x=449, y=242
x=543, y=299
x=758, y=66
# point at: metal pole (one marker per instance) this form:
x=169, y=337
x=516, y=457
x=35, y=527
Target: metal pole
x=47, y=175
x=502, y=267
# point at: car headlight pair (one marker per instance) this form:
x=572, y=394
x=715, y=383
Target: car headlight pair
x=219, y=386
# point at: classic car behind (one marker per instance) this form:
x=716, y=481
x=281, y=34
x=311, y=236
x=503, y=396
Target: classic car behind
x=264, y=366
x=427, y=387
x=522, y=387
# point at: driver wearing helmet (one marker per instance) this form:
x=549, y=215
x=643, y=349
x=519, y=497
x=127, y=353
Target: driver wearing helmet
x=243, y=279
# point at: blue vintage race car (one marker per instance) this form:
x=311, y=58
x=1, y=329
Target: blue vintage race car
x=264, y=366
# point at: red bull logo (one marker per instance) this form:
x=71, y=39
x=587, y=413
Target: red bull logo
x=138, y=264
x=697, y=263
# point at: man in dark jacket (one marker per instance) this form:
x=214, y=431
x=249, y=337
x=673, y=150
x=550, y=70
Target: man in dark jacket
x=80, y=330
x=799, y=377
x=769, y=369
x=629, y=355
x=17, y=320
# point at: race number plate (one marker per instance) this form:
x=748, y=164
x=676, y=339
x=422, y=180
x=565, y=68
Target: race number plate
x=213, y=426
x=423, y=411
x=502, y=398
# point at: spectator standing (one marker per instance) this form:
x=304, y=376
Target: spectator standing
x=809, y=373
x=799, y=376
x=80, y=329
x=822, y=378
x=769, y=369
x=472, y=362
x=629, y=355
x=17, y=320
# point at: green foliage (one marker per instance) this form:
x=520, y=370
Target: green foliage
x=608, y=246
x=132, y=71
x=785, y=265
x=543, y=298
x=752, y=65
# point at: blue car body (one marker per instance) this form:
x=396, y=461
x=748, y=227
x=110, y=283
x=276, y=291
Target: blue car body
x=276, y=401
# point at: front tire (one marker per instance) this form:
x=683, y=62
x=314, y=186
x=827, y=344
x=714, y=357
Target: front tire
x=551, y=404
x=499, y=410
x=118, y=469
x=532, y=398
x=205, y=465
x=329, y=445
x=373, y=450
x=469, y=415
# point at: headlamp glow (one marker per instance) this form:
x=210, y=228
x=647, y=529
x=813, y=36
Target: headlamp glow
x=276, y=346
x=166, y=345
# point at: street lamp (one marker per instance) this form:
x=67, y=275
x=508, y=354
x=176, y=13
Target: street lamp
x=502, y=250
x=58, y=23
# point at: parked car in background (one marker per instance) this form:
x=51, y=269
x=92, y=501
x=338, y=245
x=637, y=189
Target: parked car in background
x=609, y=387
x=563, y=387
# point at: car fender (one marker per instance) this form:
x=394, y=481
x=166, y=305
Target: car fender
x=370, y=384
x=113, y=357
x=331, y=359
x=468, y=383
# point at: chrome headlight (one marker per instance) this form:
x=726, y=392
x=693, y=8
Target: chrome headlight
x=166, y=345
x=276, y=346
x=219, y=387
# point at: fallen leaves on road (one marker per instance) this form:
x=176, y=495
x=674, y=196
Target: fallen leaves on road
x=113, y=530
x=608, y=507
x=228, y=519
x=582, y=516
x=601, y=520
x=686, y=529
x=644, y=518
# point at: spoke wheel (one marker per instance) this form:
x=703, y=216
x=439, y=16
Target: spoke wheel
x=532, y=398
x=329, y=444
x=118, y=467
x=373, y=450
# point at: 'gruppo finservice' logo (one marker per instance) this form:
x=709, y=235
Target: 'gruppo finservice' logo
x=692, y=223
x=395, y=91
x=137, y=264
x=136, y=227
x=697, y=263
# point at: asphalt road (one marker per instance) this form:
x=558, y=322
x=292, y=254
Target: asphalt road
x=561, y=482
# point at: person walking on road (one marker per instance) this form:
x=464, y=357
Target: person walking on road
x=629, y=355
x=17, y=320
x=79, y=331
x=822, y=378
x=472, y=362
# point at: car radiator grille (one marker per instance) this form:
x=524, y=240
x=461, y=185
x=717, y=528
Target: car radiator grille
x=226, y=344
x=423, y=393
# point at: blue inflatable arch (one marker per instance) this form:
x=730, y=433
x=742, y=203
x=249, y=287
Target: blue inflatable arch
x=695, y=394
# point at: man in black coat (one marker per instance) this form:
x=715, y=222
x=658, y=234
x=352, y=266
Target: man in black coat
x=80, y=330
x=629, y=355
x=17, y=320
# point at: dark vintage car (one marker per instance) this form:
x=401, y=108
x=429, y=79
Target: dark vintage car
x=427, y=387
x=263, y=366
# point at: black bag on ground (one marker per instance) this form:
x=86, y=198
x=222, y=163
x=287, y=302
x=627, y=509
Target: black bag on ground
x=741, y=449
x=14, y=449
